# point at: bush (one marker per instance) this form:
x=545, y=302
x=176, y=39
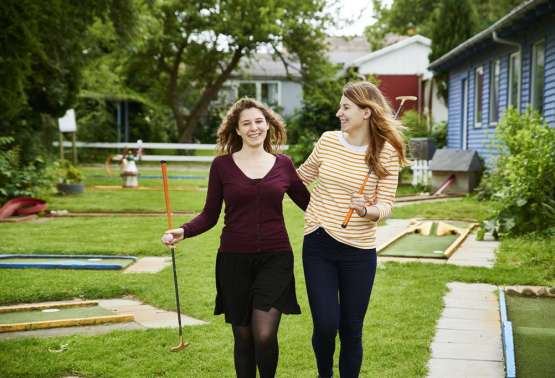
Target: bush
x=523, y=181
x=418, y=126
x=22, y=179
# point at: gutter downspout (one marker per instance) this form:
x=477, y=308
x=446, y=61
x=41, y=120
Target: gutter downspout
x=497, y=39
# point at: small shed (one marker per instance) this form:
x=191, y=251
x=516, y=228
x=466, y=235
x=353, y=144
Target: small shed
x=463, y=166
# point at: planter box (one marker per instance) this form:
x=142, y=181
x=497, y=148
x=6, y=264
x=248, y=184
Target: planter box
x=71, y=188
x=422, y=148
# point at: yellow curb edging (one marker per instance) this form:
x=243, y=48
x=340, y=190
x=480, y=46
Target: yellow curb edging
x=44, y=306
x=66, y=323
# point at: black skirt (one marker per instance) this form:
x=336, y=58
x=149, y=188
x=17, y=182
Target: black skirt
x=254, y=280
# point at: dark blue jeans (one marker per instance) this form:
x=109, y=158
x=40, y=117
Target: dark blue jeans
x=339, y=281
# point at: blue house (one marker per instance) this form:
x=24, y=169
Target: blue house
x=511, y=63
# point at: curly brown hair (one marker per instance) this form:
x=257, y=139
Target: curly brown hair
x=382, y=126
x=228, y=139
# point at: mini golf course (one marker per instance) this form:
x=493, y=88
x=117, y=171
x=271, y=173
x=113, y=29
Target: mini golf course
x=25, y=318
x=533, y=325
x=92, y=262
x=428, y=239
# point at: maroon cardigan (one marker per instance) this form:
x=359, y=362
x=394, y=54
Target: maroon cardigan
x=253, y=220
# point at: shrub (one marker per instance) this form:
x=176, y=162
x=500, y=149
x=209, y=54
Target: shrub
x=22, y=179
x=523, y=181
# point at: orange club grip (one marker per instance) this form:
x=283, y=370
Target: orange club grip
x=166, y=193
x=349, y=214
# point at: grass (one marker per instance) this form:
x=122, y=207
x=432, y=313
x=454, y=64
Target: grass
x=405, y=306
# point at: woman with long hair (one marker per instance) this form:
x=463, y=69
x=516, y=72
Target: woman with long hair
x=254, y=266
x=340, y=262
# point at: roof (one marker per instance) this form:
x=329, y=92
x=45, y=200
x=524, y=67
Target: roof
x=343, y=50
x=415, y=39
x=266, y=66
x=518, y=13
x=453, y=160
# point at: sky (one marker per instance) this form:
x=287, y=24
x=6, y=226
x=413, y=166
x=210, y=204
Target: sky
x=354, y=16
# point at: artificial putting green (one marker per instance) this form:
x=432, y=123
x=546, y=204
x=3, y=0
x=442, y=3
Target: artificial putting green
x=417, y=245
x=69, y=261
x=533, y=322
x=45, y=315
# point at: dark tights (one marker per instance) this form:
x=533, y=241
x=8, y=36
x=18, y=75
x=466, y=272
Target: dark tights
x=257, y=345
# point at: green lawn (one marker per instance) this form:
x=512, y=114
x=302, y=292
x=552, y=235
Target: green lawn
x=406, y=301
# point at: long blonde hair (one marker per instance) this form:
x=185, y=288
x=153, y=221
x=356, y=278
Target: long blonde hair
x=383, y=127
x=228, y=140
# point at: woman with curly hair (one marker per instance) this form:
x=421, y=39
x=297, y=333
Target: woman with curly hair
x=340, y=262
x=254, y=267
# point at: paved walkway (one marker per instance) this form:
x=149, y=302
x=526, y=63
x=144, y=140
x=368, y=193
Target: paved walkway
x=149, y=265
x=468, y=341
x=146, y=316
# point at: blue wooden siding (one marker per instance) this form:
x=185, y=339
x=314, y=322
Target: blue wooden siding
x=482, y=139
x=549, y=91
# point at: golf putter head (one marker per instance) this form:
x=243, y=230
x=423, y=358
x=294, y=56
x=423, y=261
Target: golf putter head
x=403, y=99
x=182, y=345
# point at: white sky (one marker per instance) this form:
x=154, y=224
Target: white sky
x=353, y=16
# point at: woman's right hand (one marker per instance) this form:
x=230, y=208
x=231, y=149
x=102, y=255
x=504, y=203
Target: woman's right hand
x=172, y=237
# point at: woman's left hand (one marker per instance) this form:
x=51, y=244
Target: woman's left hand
x=358, y=203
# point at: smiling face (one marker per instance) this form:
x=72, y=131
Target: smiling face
x=252, y=127
x=352, y=116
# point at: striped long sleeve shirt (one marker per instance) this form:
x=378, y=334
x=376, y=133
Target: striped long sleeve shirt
x=340, y=169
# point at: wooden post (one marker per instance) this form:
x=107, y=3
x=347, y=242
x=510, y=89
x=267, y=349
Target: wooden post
x=74, y=147
x=61, y=146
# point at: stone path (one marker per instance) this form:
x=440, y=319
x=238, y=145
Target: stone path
x=149, y=265
x=146, y=316
x=468, y=341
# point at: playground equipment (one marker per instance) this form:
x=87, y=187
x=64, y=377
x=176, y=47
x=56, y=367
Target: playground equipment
x=53, y=315
x=128, y=169
x=90, y=262
x=428, y=239
x=22, y=206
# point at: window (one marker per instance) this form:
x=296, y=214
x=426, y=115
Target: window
x=478, y=90
x=246, y=90
x=494, y=70
x=269, y=93
x=538, y=70
x=266, y=91
x=514, y=80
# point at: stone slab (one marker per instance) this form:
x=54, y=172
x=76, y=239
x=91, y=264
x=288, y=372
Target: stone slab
x=442, y=368
x=149, y=265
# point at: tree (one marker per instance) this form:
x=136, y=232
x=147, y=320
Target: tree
x=192, y=48
x=41, y=58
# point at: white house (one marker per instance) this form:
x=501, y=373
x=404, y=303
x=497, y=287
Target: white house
x=402, y=70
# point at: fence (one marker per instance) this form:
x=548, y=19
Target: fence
x=157, y=146
x=421, y=173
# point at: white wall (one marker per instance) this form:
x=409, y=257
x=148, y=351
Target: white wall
x=408, y=60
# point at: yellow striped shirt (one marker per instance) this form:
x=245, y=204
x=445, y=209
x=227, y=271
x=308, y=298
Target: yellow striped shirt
x=340, y=169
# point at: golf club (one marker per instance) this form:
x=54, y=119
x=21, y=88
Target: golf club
x=361, y=189
x=181, y=344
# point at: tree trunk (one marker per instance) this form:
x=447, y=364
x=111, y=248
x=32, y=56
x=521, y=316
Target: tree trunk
x=186, y=130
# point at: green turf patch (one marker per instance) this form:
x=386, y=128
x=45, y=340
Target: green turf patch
x=44, y=315
x=417, y=245
x=534, y=334
x=69, y=261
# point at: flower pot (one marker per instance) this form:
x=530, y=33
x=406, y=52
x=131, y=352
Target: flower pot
x=67, y=189
x=422, y=148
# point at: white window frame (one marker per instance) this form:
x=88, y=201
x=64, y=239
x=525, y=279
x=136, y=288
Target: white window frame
x=464, y=139
x=518, y=56
x=258, y=84
x=478, y=96
x=533, y=78
x=491, y=105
